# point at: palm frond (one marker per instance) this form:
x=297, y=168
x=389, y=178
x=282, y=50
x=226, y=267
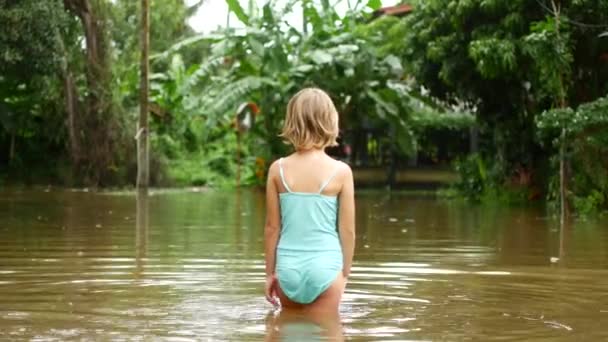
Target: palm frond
x=204, y=70
x=183, y=43
x=227, y=98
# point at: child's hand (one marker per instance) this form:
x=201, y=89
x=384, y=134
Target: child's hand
x=270, y=290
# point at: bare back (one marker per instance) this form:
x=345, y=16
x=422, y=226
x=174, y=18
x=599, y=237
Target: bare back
x=309, y=171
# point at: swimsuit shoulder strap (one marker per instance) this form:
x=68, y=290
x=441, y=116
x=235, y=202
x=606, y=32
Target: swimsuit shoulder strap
x=282, y=173
x=335, y=172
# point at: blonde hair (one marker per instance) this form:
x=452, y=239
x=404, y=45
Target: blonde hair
x=311, y=120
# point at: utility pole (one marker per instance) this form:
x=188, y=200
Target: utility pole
x=563, y=185
x=143, y=161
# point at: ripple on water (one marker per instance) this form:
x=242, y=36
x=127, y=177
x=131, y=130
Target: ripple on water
x=196, y=272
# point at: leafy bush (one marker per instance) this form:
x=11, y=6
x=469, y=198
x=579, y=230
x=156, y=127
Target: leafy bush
x=473, y=179
x=592, y=203
x=585, y=141
x=479, y=183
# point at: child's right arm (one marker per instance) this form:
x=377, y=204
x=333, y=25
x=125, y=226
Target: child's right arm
x=346, y=221
x=271, y=229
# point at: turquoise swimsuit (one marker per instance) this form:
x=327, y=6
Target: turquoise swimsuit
x=309, y=254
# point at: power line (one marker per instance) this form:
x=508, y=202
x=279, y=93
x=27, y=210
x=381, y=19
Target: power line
x=571, y=21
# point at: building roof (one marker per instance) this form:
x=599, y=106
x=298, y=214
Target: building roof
x=397, y=10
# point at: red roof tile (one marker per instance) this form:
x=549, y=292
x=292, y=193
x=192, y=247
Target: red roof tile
x=398, y=10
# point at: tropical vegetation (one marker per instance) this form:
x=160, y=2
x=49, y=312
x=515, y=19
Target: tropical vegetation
x=527, y=78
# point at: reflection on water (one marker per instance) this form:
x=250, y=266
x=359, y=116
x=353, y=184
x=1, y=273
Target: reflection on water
x=189, y=266
x=298, y=326
x=141, y=230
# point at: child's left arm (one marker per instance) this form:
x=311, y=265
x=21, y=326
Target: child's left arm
x=271, y=230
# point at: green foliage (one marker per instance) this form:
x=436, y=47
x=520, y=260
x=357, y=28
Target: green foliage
x=477, y=49
x=213, y=168
x=513, y=61
x=273, y=64
x=548, y=46
x=585, y=140
x=28, y=40
x=425, y=118
x=588, y=116
x=374, y=4
x=493, y=57
x=41, y=46
x=590, y=204
x=168, y=23
x=480, y=181
x=268, y=61
x=212, y=165
x=235, y=7
x=473, y=178
x=31, y=54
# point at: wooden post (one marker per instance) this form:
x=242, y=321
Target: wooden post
x=238, y=152
x=562, y=179
x=563, y=186
x=143, y=162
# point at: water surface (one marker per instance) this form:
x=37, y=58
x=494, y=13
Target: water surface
x=189, y=266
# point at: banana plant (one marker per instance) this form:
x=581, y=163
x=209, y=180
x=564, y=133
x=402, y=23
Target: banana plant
x=268, y=60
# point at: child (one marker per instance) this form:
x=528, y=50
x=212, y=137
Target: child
x=310, y=217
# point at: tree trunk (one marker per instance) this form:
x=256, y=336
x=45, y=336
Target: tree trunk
x=71, y=98
x=91, y=131
x=70, y=94
x=143, y=162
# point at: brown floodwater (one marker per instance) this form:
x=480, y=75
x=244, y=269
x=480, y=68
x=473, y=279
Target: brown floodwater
x=184, y=266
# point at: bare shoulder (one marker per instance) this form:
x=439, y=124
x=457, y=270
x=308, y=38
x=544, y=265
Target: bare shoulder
x=344, y=169
x=345, y=174
x=273, y=170
x=274, y=166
